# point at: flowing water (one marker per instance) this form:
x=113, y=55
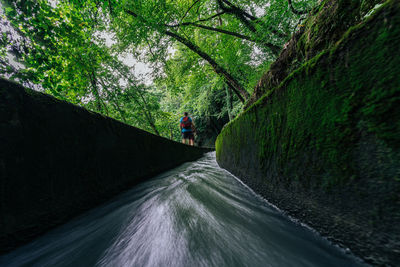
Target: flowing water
x=195, y=215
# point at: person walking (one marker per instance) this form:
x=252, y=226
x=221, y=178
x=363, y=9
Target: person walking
x=187, y=129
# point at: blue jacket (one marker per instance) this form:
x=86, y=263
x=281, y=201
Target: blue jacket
x=183, y=129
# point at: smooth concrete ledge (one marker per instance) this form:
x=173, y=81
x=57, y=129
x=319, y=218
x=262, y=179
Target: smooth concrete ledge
x=58, y=160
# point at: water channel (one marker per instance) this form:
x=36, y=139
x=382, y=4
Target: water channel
x=194, y=215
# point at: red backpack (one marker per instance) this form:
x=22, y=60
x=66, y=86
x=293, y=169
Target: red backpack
x=186, y=123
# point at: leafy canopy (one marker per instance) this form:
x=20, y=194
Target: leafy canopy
x=206, y=55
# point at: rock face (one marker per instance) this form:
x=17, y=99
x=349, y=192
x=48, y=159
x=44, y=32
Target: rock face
x=324, y=145
x=57, y=160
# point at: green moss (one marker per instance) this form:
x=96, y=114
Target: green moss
x=310, y=123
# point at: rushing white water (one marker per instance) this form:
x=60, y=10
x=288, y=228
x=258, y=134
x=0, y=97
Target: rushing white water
x=195, y=215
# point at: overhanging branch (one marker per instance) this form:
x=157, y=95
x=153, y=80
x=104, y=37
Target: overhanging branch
x=295, y=11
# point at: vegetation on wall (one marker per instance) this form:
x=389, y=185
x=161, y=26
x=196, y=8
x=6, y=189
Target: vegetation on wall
x=324, y=143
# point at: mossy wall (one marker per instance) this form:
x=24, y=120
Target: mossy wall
x=57, y=160
x=325, y=25
x=324, y=145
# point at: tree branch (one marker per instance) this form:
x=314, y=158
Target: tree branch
x=233, y=7
x=187, y=11
x=275, y=49
x=237, y=12
x=230, y=80
x=200, y=20
x=297, y=12
x=212, y=29
x=243, y=16
x=210, y=18
x=131, y=13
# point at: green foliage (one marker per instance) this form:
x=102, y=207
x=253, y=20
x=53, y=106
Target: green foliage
x=64, y=54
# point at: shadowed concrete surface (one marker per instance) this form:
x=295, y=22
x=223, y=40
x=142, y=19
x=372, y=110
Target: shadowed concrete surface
x=57, y=160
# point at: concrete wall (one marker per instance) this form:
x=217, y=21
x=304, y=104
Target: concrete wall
x=325, y=145
x=57, y=160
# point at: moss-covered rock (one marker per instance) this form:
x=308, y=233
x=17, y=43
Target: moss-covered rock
x=321, y=30
x=58, y=160
x=324, y=145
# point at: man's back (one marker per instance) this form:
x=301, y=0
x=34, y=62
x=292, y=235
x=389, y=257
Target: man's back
x=186, y=124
